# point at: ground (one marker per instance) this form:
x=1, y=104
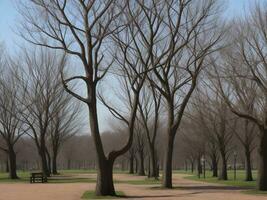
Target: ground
x=132, y=186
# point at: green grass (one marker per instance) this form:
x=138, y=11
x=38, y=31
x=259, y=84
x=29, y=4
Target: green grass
x=91, y=195
x=239, y=182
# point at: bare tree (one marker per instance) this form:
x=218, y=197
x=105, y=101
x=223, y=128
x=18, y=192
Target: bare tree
x=240, y=76
x=149, y=108
x=178, y=50
x=65, y=123
x=80, y=29
x=39, y=79
x=11, y=126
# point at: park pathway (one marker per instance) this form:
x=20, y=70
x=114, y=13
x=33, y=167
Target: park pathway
x=185, y=190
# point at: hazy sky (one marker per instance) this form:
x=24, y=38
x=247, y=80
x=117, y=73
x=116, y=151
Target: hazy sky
x=8, y=16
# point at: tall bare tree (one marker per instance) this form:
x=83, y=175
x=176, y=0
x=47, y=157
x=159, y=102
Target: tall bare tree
x=240, y=76
x=39, y=77
x=174, y=39
x=149, y=109
x=65, y=123
x=80, y=29
x=11, y=126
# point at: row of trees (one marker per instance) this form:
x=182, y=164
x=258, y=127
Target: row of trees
x=155, y=51
x=34, y=104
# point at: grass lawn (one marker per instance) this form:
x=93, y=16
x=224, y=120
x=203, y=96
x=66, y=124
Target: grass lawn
x=239, y=182
x=91, y=195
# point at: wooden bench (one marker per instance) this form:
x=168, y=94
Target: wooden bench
x=38, y=177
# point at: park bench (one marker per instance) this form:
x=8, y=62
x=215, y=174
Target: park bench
x=38, y=177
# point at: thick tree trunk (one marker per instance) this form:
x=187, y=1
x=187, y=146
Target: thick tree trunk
x=44, y=162
x=104, y=184
x=131, y=170
x=141, y=171
x=167, y=171
x=12, y=163
x=262, y=171
x=223, y=174
x=248, y=166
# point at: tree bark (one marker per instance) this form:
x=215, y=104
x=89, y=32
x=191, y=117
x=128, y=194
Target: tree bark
x=248, y=166
x=223, y=174
x=167, y=171
x=153, y=162
x=262, y=171
x=104, y=184
x=44, y=162
x=214, y=166
x=54, y=164
x=7, y=165
x=131, y=171
x=12, y=163
x=141, y=170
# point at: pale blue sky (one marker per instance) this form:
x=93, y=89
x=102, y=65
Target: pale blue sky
x=8, y=16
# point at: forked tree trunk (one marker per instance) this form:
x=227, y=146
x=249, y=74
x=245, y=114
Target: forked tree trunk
x=262, y=172
x=104, y=184
x=167, y=171
x=248, y=166
x=12, y=163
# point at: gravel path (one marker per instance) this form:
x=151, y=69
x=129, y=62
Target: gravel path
x=187, y=190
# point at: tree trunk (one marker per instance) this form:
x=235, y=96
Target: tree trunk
x=223, y=174
x=214, y=166
x=136, y=165
x=48, y=161
x=141, y=171
x=199, y=167
x=12, y=163
x=248, y=166
x=262, y=171
x=153, y=162
x=192, y=167
x=131, y=171
x=104, y=184
x=7, y=165
x=167, y=171
x=44, y=162
x=54, y=164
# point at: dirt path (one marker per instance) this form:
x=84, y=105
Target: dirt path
x=187, y=190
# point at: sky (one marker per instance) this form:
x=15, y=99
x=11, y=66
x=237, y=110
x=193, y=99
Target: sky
x=9, y=16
